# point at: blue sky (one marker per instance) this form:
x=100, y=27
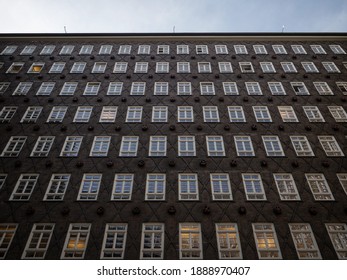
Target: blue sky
x=35, y=16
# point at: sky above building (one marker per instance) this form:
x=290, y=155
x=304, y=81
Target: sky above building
x=118, y=16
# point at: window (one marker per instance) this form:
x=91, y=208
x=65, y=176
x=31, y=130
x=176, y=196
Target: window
x=309, y=67
x=36, y=67
x=317, y=49
x=244, y=147
x=76, y=241
x=186, y=146
x=301, y=146
x=183, y=67
x=157, y=146
x=338, y=236
x=78, y=67
x=24, y=187
x=262, y=114
x=342, y=86
x=225, y=67
x=31, y=115
x=66, y=50
x=286, y=186
x=71, y=146
x=141, y=67
x=201, y=49
x=122, y=187
x=266, y=241
x=15, y=67
x=89, y=188
x=215, y=146
x=304, y=241
x=204, y=67
x=99, y=67
x=159, y=114
x=279, y=49
x=210, y=113
x=246, y=67
x=113, y=245
x=162, y=67
x=236, y=114
x=253, y=186
x=228, y=241
x=155, y=186
x=38, y=241
x=47, y=50
x=9, y=50
x=299, y=88
x=287, y=114
x=163, y=49
x=108, y=114
x=220, y=186
x=188, y=186
x=207, y=88
x=343, y=181
x=313, y=114
x=57, y=67
x=7, y=113
x=3, y=87
x=2, y=179
x=331, y=67
x=152, y=241
x=100, y=146
x=323, y=88
x=337, y=49
x=185, y=114
x=319, y=186
x=259, y=49
x=288, y=67
x=253, y=88
x=45, y=88
x=42, y=146
x=14, y=146
x=330, y=146
x=120, y=67
x=7, y=232
x=190, y=241
x=83, y=114
x=161, y=88
x=267, y=67
x=298, y=49
x=338, y=113
x=86, y=49
x=144, y=49
x=138, y=88
x=240, y=49
x=92, y=88
x=57, y=114
x=185, y=88
x=230, y=88
x=221, y=49
x=105, y=49
x=115, y=88
x=182, y=49
x=28, y=50
x=57, y=187
x=129, y=146
x=134, y=114
x=273, y=146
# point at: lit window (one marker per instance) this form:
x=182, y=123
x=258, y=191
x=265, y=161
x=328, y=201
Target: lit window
x=342, y=86
x=240, y=49
x=337, y=49
x=338, y=236
x=115, y=88
x=338, y=113
x=45, y=88
x=286, y=186
x=185, y=114
x=343, y=181
x=267, y=67
x=220, y=186
x=78, y=67
x=301, y=146
x=152, y=241
x=230, y=88
x=155, y=186
x=215, y=146
x=273, y=146
x=66, y=50
x=287, y=114
x=246, y=67
x=7, y=113
x=31, y=114
x=9, y=50
x=144, y=49
x=236, y=114
x=99, y=67
x=304, y=241
x=100, y=146
x=210, y=113
x=161, y=88
x=225, y=67
x=138, y=88
x=319, y=186
x=188, y=186
x=120, y=67
x=183, y=67
x=262, y=114
x=38, y=241
x=90, y=186
x=3, y=87
x=71, y=146
x=92, y=88
x=47, y=50
x=330, y=146
x=76, y=241
x=134, y=114
x=207, y=88
x=15, y=67
x=162, y=67
x=105, y=49
x=298, y=49
x=244, y=147
x=253, y=186
x=186, y=146
x=182, y=49
x=113, y=246
x=266, y=241
x=190, y=241
x=185, y=88
x=86, y=49
x=57, y=114
x=157, y=146
x=163, y=49
x=221, y=49
x=42, y=146
x=279, y=49
x=204, y=67
x=299, y=88
x=309, y=67
x=331, y=67
x=228, y=240
x=201, y=49
x=2, y=179
x=253, y=88
x=57, y=187
x=24, y=187
x=259, y=49
x=318, y=49
x=288, y=67
x=108, y=114
x=83, y=114
x=14, y=146
x=129, y=146
x=57, y=67
x=141, y=67
x=28, y=50
x=122, y=187
x=323, y=88
x=7, y=232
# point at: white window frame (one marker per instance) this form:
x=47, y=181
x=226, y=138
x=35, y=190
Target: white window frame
x=342, y=86
x=262, y=113
x=36, y=67
x=155, y=187
x=184, y=88
x=120, y=67
x=8, y=50
x=299, y=88
x=279, y=49
x=317, y=49
x=220, y=186
x=323, y=88
x=7, y=113
x=141, y=67
x=163, y=49
x=309, y=67
x=57, y=67
x=273, y=146
x=47, y=50
x=90, y=186
x=134, y=114
x=253, y=185
x=228, y=241
x=159, y=114
x=215, y=146
x=190, y=241
x=188, y=186
x=240, y=49
x=253, y=88
x=185, y=114
x=76, y=241
x=22, y=88
x=57, y=114
x=66, y=50
x=204, y=67
x=230, y=88
x=211, y=114
x=42, y=146
x=246, y=67
x=259, y=49
x=157, y=146
x=83, y=114
x=71, y=146
x=3, y=177
x=207, y=88
x=78, y=67
x=319, y=187
x=298, y=49
x=266, y=241
x=15, y=67
x=343, y=180
x=122, y=186
x=221, y=49
x=3, y=87
x=286, y=187
x=100, y=146
x=186, y=146
x=86, y=50
x=236, y=114
x=108, y=114
x=105, y=49
x=144, y=49
x=244, y=146
x=92, y=88
x=183, y=67
x=287, y=114
x=337, y=49
x=138, y=88
x=162, y=67
x=267, y=67
x=69, y=88
x=288, y=67
x=57, y=187
x=337, y=112
x=31, y=114
x=201, y=49
x=338, y=237
x=330, y=146
x=276, y=88
x=225, y=67
x=313, y=114
x=46, y=88
x=113, y=245
x=7, y=232
x=115, y=88
x=14, y=146
x=99, y=67
x=152, y=241
x=24, y=187
x=182, y=49
x=330, y=67
x=301, y=146
x=129, y=146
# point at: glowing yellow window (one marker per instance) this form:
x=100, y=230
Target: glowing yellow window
x=36, y=68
